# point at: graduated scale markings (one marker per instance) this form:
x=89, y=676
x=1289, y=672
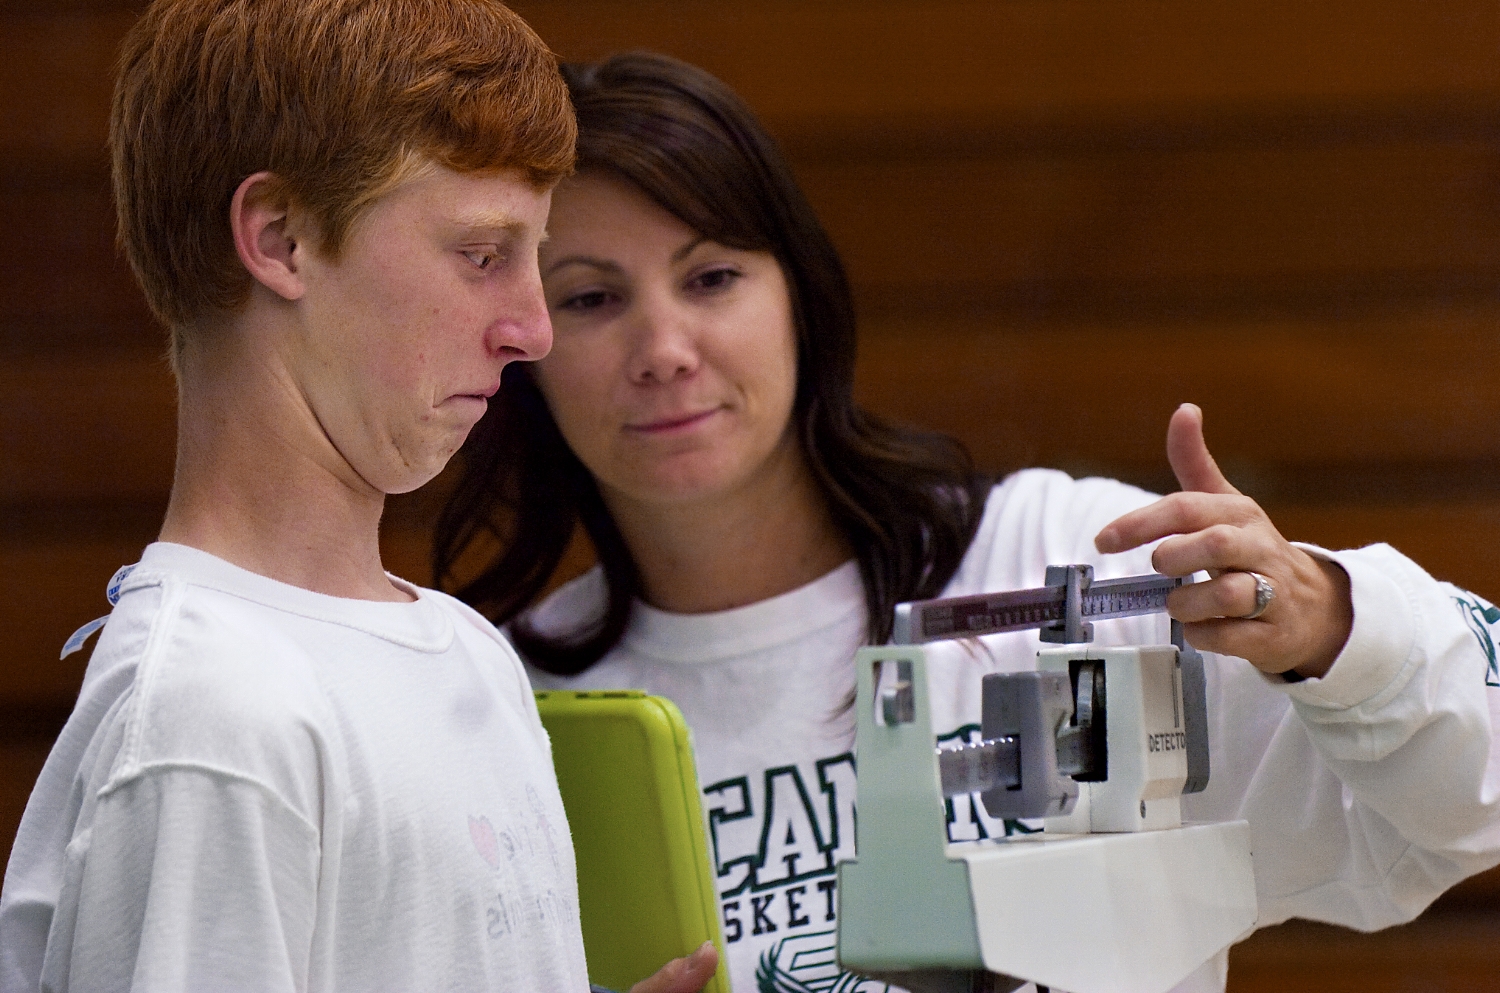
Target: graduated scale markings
x=1019, y=610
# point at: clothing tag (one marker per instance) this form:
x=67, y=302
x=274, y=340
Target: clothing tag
x=112, y=593
x=78, y=637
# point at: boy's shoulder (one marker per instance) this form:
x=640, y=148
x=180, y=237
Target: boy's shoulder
x=189, y=676
x=250, y=677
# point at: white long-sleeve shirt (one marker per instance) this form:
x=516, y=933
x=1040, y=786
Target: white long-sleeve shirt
x=1368, y=792
x=267, y=789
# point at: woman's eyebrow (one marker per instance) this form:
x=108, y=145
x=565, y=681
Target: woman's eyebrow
x=608, y=265
x=593, y=262
x=687, y=249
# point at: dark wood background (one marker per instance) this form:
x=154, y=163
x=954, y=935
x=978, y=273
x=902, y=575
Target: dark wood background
x=1061, y=217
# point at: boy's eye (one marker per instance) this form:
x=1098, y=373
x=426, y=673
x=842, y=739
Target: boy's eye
x=482, y=258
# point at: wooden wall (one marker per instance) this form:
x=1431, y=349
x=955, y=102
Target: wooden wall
x=1061, y=217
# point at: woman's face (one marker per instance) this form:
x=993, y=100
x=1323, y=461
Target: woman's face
x=674, y=359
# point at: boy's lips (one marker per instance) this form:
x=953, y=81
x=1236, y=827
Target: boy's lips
x=471, y=406
x=483, y=394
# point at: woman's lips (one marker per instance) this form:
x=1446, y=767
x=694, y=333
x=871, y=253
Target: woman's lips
x=668, y=425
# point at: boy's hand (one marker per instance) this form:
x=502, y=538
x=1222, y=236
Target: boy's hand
x=1216, y=529
x=684, y=975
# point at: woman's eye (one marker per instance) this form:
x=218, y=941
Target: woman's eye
x=482, y=258
x=587, y=300
x=716, y=279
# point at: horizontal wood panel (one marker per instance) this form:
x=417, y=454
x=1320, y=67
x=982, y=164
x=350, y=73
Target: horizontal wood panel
x=1364, y=221
x=1455, y=542
x=75, y=427
x=1440, y=952
x=1044, y=57
x=60, y=258
x=1482, y=890
x=1416, y=387
x=1116, y=233
x=901, y=63
x=56, y=76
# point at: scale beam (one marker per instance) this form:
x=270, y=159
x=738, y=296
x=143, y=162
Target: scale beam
x=1044, y=607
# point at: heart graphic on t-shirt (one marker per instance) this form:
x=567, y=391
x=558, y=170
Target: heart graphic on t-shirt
x=483, y=835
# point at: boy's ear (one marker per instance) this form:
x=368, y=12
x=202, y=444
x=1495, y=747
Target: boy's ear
x=267, y=248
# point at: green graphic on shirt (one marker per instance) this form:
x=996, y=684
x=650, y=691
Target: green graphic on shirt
x=806, y=964
x=1481, y=617
x=777, y=837
x=804, y=822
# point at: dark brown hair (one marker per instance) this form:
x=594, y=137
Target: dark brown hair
x=908, y=501
x=338, y=98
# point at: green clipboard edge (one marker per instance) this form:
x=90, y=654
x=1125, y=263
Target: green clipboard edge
x=629, y=785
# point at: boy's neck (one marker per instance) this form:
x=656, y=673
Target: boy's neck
x=258, y=484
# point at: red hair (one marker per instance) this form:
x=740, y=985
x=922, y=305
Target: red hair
x=339, y=99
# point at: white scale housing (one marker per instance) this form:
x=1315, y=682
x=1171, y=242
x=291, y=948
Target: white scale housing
x=1073, y=908
x=1147, y=741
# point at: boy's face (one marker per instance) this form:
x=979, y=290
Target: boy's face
x=405, y=335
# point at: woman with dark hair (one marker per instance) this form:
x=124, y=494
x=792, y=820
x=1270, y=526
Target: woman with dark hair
x=754, y=527
x=906, y=503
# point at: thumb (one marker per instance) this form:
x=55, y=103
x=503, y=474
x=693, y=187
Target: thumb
x=1193, y=466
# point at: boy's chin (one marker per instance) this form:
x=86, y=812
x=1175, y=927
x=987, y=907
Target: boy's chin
x=413, y=480
x=401, y=469
x=398, y=479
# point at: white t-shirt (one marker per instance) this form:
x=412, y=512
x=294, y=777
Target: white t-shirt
x=263, y=788
x=1368, y=792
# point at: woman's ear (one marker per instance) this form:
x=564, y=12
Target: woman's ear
x=262, y=239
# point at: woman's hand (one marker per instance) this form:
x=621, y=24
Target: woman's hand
x=1218, y=530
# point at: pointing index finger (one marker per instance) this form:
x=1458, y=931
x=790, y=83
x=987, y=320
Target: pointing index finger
x=1176, y=513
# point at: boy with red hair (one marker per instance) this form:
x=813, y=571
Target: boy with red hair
x=287, y=769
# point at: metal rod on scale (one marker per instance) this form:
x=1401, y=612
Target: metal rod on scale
x=1045, y=607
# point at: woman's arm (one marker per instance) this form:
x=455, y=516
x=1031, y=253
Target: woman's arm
x=1379, y=787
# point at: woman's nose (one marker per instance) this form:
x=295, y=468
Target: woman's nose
x=665, y=346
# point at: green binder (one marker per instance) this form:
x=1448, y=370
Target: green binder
x=646, y=890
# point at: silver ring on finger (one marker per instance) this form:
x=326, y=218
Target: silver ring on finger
x=1264, y=594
